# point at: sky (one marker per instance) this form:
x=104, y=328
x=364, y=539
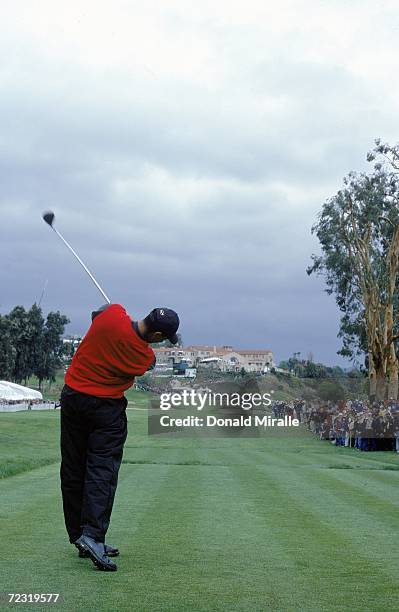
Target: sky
x=186, y=149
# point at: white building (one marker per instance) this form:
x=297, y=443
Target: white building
x=224, y=358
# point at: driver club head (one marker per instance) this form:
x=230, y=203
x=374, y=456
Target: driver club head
x=48, y=217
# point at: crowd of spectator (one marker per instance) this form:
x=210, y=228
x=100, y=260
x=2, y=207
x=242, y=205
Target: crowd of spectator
x=367, y=426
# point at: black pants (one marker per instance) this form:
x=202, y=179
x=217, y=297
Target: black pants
x=93, y=432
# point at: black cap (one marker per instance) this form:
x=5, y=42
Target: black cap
x=164, y=320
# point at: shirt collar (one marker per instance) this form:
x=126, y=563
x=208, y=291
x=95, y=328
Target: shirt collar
x=136, y=329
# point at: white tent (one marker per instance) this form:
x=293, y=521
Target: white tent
x=11, y=391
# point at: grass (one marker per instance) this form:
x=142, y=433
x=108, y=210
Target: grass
x=285, y=522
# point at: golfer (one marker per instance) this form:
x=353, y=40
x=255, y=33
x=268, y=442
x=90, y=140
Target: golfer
x=93, y=419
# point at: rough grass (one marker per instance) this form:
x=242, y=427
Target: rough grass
x=285, y=522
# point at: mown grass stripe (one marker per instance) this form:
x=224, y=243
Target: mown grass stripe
x=316, y=548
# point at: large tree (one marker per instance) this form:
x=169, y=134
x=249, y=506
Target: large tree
x=29, y=345
x=20, y=332
x=358, y=229
x=53, y=350
x=35, y=341
x=7, y=350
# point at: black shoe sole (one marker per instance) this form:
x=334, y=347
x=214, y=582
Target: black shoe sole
x=84, y=554
x=101, y=566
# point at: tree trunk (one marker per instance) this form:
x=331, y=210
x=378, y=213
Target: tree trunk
x=372, y=378
x=377, y=376
x=392, y=374
x=391, y=358
x=381, y=385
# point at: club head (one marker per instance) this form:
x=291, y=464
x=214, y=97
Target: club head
x=49, y=217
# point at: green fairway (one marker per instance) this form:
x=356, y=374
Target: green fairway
x=284, y=522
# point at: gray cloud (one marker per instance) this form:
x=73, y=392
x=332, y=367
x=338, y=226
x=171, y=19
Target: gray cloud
x=186, y=174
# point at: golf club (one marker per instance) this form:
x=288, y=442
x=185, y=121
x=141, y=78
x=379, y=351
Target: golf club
x=49, y=219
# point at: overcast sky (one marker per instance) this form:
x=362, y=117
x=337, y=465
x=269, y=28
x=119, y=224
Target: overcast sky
x=186, y=149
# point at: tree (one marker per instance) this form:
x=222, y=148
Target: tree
x=29, y=346
x=35, y=338
x=19, y=335
x=7, y=351
x=69, y=350
x=358, y=230
x=314, y=370
x=329, y=390
x=53, y=347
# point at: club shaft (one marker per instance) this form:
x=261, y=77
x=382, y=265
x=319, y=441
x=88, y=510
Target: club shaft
x=83, y=265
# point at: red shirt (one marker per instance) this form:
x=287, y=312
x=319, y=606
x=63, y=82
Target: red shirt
x=110, y=356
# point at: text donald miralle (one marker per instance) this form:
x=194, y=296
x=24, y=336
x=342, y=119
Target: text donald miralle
x=189, y=410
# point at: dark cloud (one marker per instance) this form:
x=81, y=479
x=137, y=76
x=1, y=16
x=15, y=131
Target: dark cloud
x=194, y=190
